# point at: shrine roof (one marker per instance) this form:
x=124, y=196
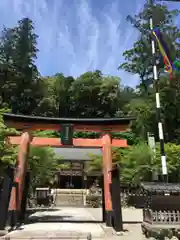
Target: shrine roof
x=161, y=187
x=77, y=154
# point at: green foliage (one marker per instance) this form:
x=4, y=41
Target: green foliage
x=43, y=164
x=56, y=96
x=136, y=163
x=46, y=133
x=93, y=95
x=131, y=137
x=90, y=95
x=20, y=83
x=8, y=152
x=95, y=164
x=143, y=111
x=173, y=164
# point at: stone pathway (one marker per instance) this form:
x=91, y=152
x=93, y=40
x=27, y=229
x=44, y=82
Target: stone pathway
x=66, y=214
x=76, y=226
x=58, y=231
x=130, y=215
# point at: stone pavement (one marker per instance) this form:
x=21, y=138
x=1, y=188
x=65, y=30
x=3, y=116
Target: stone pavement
x=66, y=214
x=58, y=231
x=76, y=225
x=130, y=215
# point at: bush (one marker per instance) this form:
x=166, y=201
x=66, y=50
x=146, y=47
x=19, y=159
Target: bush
x=43, y=165
x=94, y=201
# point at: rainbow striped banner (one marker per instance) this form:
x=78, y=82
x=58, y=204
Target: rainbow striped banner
x=169, y=64
x=164, y=51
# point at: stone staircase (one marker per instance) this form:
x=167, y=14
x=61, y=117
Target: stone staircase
x=70, y=197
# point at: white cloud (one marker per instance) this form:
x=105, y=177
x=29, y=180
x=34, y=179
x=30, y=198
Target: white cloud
x=72, y=38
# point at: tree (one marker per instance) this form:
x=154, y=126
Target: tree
x=7, y=68
x=110, y=96
x=20, y=84
x=48, y=105
x=96, y=163
x=136, y=163
x=143, y=111
x=43, y=165
x=130, y=136
x=172, y=153
x=56, y=96
x=90, y=95
x=93, y=95
x=126, y=95
x=8, y=152
x=27, y=94
x=170, y=98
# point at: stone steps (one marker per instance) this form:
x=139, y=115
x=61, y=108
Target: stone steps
x=69, y=197
x=69, y=200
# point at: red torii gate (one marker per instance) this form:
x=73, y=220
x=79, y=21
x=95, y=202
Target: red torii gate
x=77, y=142
x=30, y=123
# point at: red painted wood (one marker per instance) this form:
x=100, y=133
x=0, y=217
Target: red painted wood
x=77, y=142
x=107, y=167
x=14, y=203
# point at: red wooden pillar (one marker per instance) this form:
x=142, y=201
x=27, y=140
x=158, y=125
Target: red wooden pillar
x=19, y=178
x=107, y=167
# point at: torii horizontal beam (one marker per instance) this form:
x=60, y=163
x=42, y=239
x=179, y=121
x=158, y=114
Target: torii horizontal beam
x=31, y=123
x=77, y=142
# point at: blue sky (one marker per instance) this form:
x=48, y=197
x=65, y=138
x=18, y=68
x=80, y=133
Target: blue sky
x=76, y=36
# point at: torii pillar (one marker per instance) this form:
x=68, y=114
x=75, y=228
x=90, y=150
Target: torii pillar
x=107, y=166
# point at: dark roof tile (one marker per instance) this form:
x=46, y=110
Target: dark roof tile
x=76, y=154
x=161, y=187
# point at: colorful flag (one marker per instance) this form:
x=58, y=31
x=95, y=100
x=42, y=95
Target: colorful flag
x=164, y=51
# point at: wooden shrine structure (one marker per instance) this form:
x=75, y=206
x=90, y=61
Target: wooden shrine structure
x=28, y=124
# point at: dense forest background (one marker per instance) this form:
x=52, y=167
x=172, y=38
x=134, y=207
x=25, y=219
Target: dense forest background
x=24, y=91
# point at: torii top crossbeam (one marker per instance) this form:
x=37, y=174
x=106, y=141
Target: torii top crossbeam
x=31, y=123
